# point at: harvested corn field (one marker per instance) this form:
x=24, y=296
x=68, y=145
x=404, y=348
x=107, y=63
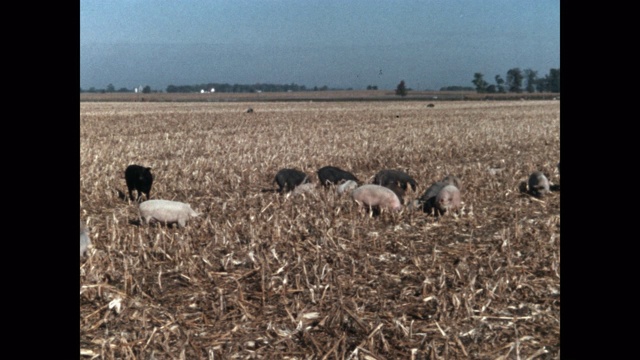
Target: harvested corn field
x=261, y=274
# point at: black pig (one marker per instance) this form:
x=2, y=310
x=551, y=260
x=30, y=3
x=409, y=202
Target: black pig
x=329, y=175
x=138, y=178
x=288, y=179
x=396, y=177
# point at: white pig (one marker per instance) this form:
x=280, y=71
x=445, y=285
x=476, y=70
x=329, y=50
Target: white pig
x=84, y=239
x=376, y=196
x=448, y=199
x=346, y=186
x=166, y=211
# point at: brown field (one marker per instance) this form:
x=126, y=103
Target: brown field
x=261, y=275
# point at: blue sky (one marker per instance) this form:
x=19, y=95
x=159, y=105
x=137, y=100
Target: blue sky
x=341, y=44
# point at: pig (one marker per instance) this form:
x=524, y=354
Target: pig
x=249, y=110
x=555, y=187
x=397, y=190
x=428, y=200
x=138, y=178
x=376, y=197
x=448, y=199
x=346, y=186
x=538, y=184
x=400, y=178
x=288, y=179
x=85, y=242
x=306, y=188
x=452, y=180
x=331, y=175
x=166, y=211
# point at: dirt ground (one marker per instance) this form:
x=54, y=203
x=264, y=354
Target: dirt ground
x=264, y=275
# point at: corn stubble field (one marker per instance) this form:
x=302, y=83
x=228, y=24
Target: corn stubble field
x=263, y=275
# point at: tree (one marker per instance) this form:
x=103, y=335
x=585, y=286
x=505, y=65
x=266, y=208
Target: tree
x=110, y=88
x=514, y=80
x=146, y=89
x=541, y=85
x=456, y=88
x=401, y=89
x=553, y=80
x=499, y=83
x=531, y=77
x=478, y=81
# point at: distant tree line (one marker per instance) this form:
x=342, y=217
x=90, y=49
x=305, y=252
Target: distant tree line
x=236, y=88
x=224, y=88
x=112, y=89
x=109, y=89
x=518, y=81
x=457, y=88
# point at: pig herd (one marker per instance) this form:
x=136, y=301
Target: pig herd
x=385, y=192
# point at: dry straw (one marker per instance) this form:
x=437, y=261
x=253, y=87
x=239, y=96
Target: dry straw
x=261, y=275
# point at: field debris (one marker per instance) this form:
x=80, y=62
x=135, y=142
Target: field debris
x=260, y=275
